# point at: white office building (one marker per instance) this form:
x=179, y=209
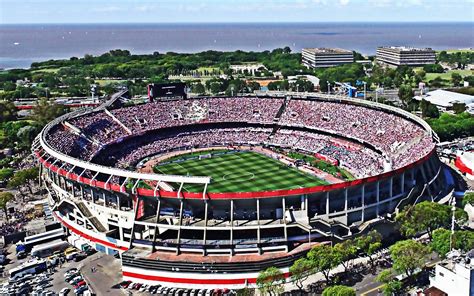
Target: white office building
x=409, y=56
x=455, y=275
x=326, y=57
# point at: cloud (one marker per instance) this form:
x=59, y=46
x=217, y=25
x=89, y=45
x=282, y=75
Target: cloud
x=343, y=2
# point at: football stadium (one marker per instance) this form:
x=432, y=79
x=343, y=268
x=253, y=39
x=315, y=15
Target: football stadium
x=207, y=192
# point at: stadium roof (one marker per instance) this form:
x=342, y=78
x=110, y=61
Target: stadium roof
x=444, y=98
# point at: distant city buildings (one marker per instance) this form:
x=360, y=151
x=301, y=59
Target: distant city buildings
x=409, y=56
x=326, y=57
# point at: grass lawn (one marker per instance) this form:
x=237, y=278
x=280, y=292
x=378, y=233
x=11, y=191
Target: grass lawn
x=447, y=75
x=240, y=172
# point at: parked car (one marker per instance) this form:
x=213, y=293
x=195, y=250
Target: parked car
x=64, y=291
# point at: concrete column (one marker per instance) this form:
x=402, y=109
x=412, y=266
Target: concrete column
x=179, y=228
x=327, y=203
x=205, y=226
x=285, y=230
x=378, y=198
x=258, y=223
x=157, y=219
x=363, y=202
x=402, y=182
x=232, y=226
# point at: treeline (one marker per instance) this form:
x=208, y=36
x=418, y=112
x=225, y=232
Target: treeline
x=449, y=127
x=460, y=59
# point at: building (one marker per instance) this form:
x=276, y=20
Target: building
x=326, y=57
x=444, y=99
x=204, y=239
x=409, y=56
x=455, y=275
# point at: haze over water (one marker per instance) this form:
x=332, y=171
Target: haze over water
x=20, y=45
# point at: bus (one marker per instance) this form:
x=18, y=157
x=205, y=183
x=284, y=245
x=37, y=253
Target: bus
x=41, y=238
x=46, y=250
x=30, y=267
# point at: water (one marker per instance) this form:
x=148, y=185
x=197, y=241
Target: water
x=20, y=45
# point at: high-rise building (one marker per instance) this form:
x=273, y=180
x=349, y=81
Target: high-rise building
x=400, y=55
x=326, y=57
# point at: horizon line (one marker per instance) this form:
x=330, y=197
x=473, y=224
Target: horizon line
x=245, y=22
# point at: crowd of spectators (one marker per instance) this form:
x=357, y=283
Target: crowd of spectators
x=99, y=126
x=67, y=142
x=381, y=129
x=161, y=114
x=399, y=140
x=16, y=223
x=361, y=161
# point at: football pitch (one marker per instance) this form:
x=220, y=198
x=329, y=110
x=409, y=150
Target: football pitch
x=241, y=171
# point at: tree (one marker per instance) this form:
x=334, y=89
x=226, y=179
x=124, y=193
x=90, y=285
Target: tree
x=405, y=93
x=459, y=108
x=433, y=68
x=462, y=240
x=425, y=216
x=391, y=286
x=428, y=109
x=408, y=255
x=270, y=281
x=7, y=111
x=45, y=111
x=5, y=197
x=456, y=79
x=468, y=199
x=339, y=290
x=198, y=88
x=323, y=259
x=369, y=244
x=394, y=287
x=346, y=251
x=24, y=177
x=5, y=174
x=300, y=270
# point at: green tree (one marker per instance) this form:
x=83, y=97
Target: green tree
x=5, y=174
x=456, y=79
x=428, y=109
x=45, y=111
x=300, y=270
x=425, y=216
x=198, y=88
x=369, y=244
x=461, y=240
x=339, y=290
x=24, y=178
x=468, y=199
x=270, y=281
x=391, y=286
x=346, y=251
x=7, y=111
x=323, y=259
x=408, y=255
x=405, y=93
x=5, y=197
x=459, y=108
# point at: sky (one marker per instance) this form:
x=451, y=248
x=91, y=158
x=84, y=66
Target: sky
x=208, y=11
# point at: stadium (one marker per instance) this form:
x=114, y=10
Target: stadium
x=207, y=192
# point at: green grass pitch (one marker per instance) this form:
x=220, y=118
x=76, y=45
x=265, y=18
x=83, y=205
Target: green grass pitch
x=242, y=171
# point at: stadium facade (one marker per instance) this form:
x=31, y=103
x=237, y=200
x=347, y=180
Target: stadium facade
x=204, y=239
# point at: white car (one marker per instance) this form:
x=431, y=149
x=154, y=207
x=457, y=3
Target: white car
x=64, y=291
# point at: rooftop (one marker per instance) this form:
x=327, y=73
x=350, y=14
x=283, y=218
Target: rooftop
x=406, y=48
x=327, y=50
